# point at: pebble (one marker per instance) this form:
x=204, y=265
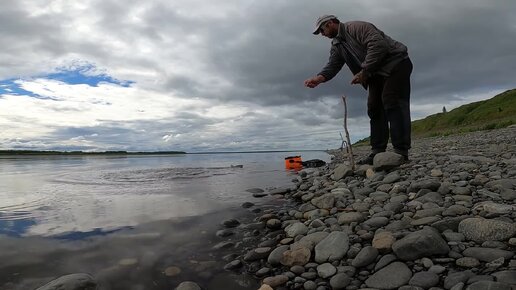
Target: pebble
x=275, y=281
x=188, y=285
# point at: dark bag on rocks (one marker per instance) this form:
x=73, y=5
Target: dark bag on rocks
x=314, y=163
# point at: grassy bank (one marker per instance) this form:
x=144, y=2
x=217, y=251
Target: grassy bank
x=497, y=112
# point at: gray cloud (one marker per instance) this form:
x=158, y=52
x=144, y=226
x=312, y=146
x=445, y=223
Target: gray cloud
x=257, y=54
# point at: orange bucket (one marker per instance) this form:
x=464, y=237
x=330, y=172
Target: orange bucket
x=293, y=162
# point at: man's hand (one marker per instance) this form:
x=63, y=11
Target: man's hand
x=359, y=78
x=314, y=82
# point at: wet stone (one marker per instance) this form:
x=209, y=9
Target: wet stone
x=424, y=279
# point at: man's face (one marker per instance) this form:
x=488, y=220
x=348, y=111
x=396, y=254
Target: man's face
x=329, y=29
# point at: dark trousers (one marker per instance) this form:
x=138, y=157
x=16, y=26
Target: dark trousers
x=388, y=107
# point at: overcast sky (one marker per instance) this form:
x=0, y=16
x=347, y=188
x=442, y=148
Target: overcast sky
x=205, y=75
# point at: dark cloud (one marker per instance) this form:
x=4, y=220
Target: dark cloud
x=258, y=54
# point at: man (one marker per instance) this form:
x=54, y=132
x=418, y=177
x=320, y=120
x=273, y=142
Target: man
x=381, y=65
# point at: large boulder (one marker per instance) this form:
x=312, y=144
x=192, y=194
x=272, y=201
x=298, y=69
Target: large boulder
x=387, y=160
x=481, y=230
x=423, y=243
x=332, y=248
x=342, y=171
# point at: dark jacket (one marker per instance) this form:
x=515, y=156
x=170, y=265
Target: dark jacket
x=362, y=46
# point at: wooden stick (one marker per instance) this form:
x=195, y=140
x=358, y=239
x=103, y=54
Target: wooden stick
x=350, y=151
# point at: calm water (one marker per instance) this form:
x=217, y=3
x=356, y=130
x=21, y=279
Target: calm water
x=125, y=220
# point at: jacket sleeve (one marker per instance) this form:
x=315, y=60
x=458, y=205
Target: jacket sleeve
x=334, y=65
x=375, y=43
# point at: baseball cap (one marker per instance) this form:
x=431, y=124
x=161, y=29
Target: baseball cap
x=321, y=20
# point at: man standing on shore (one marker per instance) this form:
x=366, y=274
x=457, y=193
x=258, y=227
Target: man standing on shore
x=382, y=66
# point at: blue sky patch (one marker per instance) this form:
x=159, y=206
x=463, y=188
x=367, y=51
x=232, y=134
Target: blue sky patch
x=83, y=74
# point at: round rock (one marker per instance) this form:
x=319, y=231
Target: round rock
x=392, y=276
x=188, y=285
x=326, y=270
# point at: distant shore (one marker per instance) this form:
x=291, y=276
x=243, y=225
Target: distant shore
x=37, y=152
x=54, y=152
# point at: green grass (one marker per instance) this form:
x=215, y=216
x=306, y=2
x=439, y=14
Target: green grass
x=495, y=113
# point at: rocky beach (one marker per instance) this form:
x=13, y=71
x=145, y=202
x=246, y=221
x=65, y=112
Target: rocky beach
x=444, y=220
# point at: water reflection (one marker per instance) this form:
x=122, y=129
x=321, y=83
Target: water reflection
x=132, y=258
x=126, y=220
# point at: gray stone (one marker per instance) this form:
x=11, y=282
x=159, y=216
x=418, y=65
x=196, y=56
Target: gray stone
x=326, y=270
x=257, y=254
x=458, y=286
x=423, y=243
x=456, y=210
x=339, y=281
x=494, y=208
x=276, y=254
x=454, y=278
x=342, y=171
x=477, y=278
x=309, y=241
x=325, y=201
x=502, y=184
x=273, y=224
x=481, y=230
x=309, y=285
x=431, y=184
x=235, y=264
x=224, y=245
x=467, y=262
x=487, y=254
x=437, y=269
x=409, y=287
x=275, y=281
x=365, y=257
x=280, y=191
x=224, y=233
x=299, y=256
x=451, y=223
x=392, y=276
x=387, y=160
x=296, y=229
x=453, y=237
x=332, y=248
x=188, y=285
x=383, y=241
x=384, y=261
x=430, y=212
x=377, y=221
x=488, y=285
x=425, y=221
x=431, y=197
x=349, y=217
x=77, y=281
x=262, y=272
x=424, y=279
x=391, y=177
x=231, y=223
x=507, y=277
